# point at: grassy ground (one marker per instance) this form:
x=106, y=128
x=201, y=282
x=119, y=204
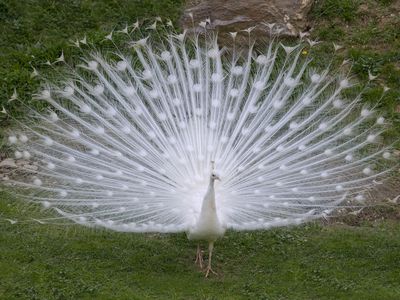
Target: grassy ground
x=307, y=262
x=369, y=32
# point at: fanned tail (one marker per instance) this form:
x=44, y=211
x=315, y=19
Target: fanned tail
x=127, y=143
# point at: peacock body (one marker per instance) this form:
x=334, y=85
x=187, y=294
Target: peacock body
x=129, y=139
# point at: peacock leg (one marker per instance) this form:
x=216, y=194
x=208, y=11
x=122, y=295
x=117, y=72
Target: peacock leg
x=199, y=257
x=210, y=250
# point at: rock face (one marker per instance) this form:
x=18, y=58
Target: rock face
x=290, y=16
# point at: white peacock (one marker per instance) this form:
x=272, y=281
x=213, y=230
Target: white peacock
x=129, y=144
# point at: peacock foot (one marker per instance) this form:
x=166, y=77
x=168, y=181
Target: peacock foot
x=199, y=259
x=208, y=270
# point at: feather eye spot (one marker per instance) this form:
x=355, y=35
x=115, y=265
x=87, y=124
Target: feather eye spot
x=154, y=94
x=230, y=116
x=111, y=112
x=290, y=82
x=386, y=155
x=323, y=126
x=12, y=139
x=48, y=141
x=371, y=138
x=85, y=108
x=152, y=135
x=37, y=182
x=45, y=95
x=304, y=172
x=302, y=147
x=262, y=59
x=337, y=103
x=328, y=152
x=122, y=65
x=306, y=100
x=366, y=112
x=367, y=171
x=215, y=102
x=26, y=154
x=349, y=157
x=23, y=138
x=93, y=65
x=283, y=167
x=348, y=131
x=324, y=174
x=99, y=130
x=172, y=79
x=176, y=101
x=259, y=85
x=213, y=53
x=293, y=125
x=216, y=77
x=224, y=139
x=380, y=121
x=68, y=91
x=278, y=104
x=344, y=83
x=234, y=93
x=147, y=74
x=194, y=63
x=237, y=70
x=53, y=117
x=315, y=78
x=360, y=197
x=197, y=87
x=162, y=116
x=166, y=55
x=74, y=133
x=94, y=152
x=18, y=154
x=339, y=188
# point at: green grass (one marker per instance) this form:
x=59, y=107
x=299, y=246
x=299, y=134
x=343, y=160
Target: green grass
x=34, y=31
x=306, y=262
x=369, y=32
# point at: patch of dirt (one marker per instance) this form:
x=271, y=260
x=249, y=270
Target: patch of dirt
x=371, y=214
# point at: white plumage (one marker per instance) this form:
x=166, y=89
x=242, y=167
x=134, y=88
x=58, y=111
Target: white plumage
x=129, y=137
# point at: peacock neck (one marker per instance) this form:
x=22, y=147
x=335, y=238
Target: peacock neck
x=208, y=205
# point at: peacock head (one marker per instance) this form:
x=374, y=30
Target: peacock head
x=214, y=176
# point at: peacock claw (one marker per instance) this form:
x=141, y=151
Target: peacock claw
x=208, y=270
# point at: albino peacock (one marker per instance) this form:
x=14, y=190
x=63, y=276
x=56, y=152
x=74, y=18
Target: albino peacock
x=130, y=139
